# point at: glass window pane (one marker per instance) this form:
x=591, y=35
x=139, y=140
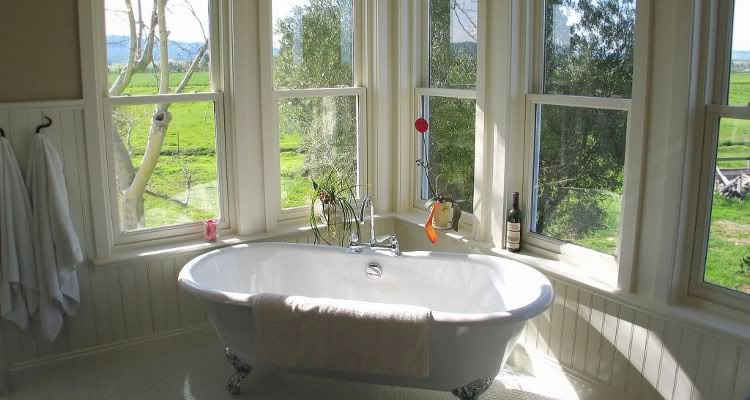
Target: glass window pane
x=453, y=44
x=317, y=135
x=450, y=149
x=312, y=43
x=588, y=47
x=165, y=164
x=739, y=77
x=135, y=69
x=728, y=258
x=578, y=175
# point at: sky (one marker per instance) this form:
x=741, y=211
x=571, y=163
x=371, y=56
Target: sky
x=184, y=28
x=741, y=34
x=280, y=9
x=181, y=24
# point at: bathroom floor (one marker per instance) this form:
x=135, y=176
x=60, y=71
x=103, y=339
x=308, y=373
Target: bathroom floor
x=197, y=370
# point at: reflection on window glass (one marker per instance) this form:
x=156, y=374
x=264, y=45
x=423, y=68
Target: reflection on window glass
x=578, y=175
x=588, y=47
x=453, y=44
x=316, y=134
x=451, y=148
x=134, y=53
x=739, y=77
x=728, y=258
x=169, y=183
x=312, y=43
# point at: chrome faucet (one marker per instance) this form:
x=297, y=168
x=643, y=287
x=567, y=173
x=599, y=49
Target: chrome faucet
x=376, y=242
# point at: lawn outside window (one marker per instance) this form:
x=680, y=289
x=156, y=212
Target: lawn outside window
x=583, y=151
x=721, y=254
x=446, y=97
x=164, y=115
x=313, y=74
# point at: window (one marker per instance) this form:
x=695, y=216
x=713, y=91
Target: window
x=163, y=110
x=319, y=99
x=578, y=123
x=447, y=100
x=722, y=260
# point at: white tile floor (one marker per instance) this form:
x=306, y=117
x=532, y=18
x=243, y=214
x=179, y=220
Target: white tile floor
x=199, y=371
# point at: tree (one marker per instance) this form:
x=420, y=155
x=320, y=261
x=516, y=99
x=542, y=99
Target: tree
x=315, y=51
x=582, y=150
x=453, y=64
x=132, y=181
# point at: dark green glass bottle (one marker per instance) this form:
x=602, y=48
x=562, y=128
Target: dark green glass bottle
x=513, y=234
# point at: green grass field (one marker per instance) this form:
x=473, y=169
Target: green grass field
x=729, y=238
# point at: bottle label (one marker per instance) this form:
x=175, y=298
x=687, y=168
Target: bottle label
x=514, y=236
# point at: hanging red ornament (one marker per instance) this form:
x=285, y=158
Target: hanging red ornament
x=421, y=125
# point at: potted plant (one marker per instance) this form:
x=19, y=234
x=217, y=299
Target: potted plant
x=445, y=212
x=333, y=206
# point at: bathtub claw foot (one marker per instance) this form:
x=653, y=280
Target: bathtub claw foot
x=243, y=370
x=473, y=390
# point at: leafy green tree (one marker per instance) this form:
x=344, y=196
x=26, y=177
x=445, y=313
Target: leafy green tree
x=582, y=150
x=453, y=64
x=316, y=52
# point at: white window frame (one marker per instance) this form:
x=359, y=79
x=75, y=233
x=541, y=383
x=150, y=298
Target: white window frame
x=270, y=119
x=621, y=265
x=98, y=105
x=717, y=75
x=469, y=221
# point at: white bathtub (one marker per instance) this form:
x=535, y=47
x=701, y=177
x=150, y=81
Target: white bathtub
x=479, y=303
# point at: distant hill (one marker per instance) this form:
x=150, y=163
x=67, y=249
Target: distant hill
x=118, y=48
x=741, y=55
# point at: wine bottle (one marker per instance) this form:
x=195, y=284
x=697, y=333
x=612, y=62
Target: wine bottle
x=513, y=234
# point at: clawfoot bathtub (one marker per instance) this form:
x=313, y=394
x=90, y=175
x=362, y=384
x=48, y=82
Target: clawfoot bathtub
x=479, y=303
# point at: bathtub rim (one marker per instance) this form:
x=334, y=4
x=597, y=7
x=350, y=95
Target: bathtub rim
x=528, y=311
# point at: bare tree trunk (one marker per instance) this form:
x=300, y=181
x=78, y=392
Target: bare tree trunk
x=132, y=210
x=132, y=200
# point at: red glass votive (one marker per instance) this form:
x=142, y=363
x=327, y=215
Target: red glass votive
x=210, y=230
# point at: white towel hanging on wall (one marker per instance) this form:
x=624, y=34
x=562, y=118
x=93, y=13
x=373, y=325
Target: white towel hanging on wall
x=19, y=297
x=56, y=245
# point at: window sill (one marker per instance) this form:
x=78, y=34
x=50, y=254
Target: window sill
x=149, y=252
x=587, y=274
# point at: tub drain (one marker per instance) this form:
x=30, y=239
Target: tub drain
x=373, y=271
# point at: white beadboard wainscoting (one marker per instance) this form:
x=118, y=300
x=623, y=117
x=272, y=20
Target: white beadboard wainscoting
x=641, y=353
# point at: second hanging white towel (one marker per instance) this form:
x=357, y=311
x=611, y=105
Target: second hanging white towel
x=56, y=245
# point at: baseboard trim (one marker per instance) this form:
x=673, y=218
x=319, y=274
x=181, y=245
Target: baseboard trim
x=97, y=351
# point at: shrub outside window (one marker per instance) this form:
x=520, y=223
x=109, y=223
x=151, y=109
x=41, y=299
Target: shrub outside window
x=163, y=112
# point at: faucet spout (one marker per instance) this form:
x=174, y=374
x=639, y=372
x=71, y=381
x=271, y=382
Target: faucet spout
x=387, y=242
x=367, y=202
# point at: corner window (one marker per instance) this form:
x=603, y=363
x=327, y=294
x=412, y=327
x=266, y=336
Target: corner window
x=319, y=98
x=578, y=123
x=722, y=260
x=447, y=100
x=163, y=108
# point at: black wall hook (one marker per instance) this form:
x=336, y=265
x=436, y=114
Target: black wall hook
x=2, y=132
x=45, y=125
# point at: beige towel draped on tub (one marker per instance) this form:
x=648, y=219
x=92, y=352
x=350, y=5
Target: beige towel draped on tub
x=342, y=335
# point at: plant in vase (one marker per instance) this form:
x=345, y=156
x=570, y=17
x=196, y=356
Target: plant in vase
x=332, y=205
x=445, y=212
